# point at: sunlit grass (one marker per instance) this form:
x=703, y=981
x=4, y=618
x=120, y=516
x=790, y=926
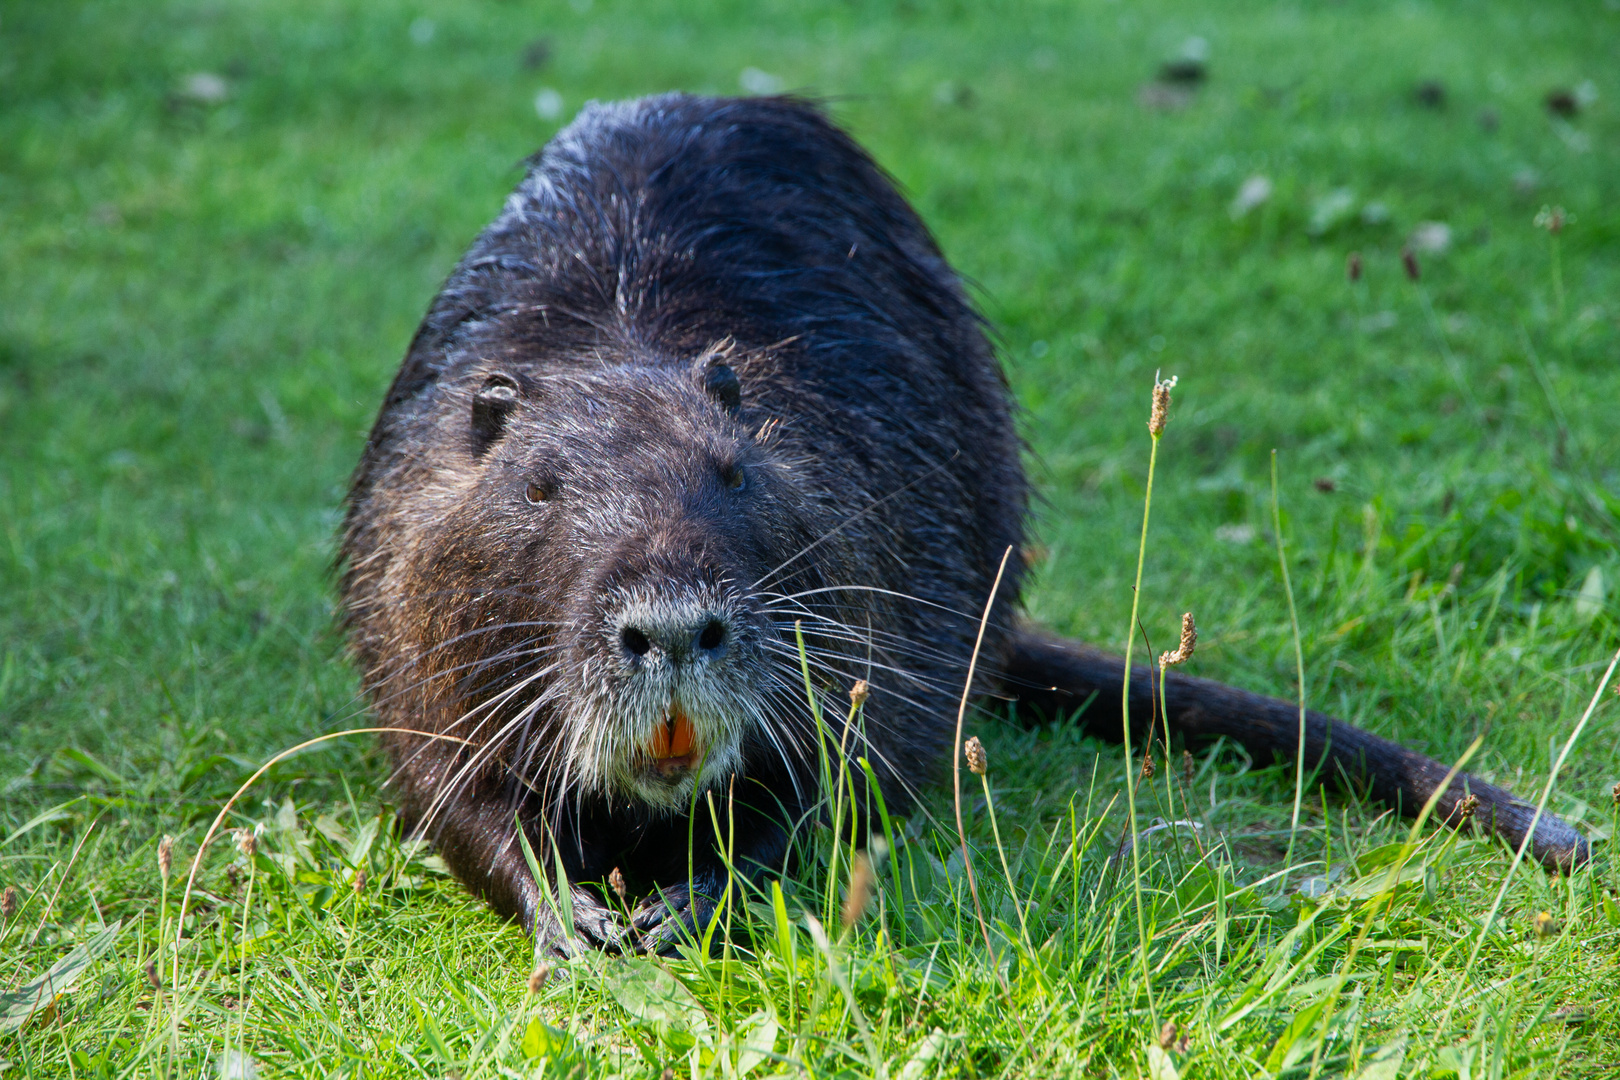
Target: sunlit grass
x=204, y=300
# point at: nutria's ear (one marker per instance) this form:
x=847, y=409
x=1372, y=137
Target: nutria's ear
x=722, y=384
x=491, y=406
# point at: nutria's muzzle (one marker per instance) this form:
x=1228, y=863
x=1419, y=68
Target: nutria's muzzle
x=682, y=692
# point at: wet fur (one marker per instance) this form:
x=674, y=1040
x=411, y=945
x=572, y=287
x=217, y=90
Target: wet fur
x=651, y=244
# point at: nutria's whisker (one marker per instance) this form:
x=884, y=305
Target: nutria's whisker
x=819, y=625
x=491, y=708
x=885, y=691
x=850, y=520
x=910, y=599
x=831, y=667
x=428, y=743
x=896, y=650
x=451, y=786
x=430, y=654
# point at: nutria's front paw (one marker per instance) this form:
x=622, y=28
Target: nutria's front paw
x=670, y=917
x=597, y=925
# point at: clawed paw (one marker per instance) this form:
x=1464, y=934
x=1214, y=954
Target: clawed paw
x=598, y=926
x=595, y=926
x=670, y=917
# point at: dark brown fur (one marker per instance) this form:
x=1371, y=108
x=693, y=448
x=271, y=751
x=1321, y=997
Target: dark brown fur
x=704, y=385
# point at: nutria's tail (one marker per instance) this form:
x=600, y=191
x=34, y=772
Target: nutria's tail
x=1053, y=675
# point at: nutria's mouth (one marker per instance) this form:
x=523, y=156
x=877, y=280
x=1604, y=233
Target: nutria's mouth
x=673, y=746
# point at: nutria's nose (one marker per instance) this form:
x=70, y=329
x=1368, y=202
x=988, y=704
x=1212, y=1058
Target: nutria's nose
x=683, y=636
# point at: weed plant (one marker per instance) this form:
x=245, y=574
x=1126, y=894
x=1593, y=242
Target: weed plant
x=207, y=285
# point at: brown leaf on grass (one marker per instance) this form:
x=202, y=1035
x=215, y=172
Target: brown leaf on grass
x=536, y=54
x=1430, y=93
x=1563, y=102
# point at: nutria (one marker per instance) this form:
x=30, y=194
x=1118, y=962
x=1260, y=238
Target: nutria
x=706, y=388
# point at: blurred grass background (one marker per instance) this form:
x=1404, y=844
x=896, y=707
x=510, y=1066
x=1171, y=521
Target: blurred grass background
x=220, y=222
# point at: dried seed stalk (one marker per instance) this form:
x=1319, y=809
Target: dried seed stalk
x=1161, y=405
x=1189, y=642
x=978, y=761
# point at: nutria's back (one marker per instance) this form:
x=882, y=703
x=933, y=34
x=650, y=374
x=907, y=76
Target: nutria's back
x=706, y=377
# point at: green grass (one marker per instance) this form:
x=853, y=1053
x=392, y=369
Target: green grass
x=201, y=305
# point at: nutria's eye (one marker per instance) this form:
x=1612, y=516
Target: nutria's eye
x=535, y=494
x=736, y=479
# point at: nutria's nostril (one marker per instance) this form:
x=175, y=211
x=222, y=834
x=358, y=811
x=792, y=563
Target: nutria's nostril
x=713, y=636
x=675, y=637
x=635, y=640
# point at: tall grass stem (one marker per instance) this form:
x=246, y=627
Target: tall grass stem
x=958, y=750
x=1299, y=664
x=1130, y=767
x=1006, y=869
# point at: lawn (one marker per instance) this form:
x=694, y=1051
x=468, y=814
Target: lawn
x=219, y=224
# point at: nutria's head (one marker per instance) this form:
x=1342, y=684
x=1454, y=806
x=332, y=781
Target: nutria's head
x=588, y=585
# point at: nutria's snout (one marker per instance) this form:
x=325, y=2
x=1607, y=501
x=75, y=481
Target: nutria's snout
x=682, y=690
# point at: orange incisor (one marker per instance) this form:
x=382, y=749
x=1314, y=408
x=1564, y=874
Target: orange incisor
x=674, y=738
